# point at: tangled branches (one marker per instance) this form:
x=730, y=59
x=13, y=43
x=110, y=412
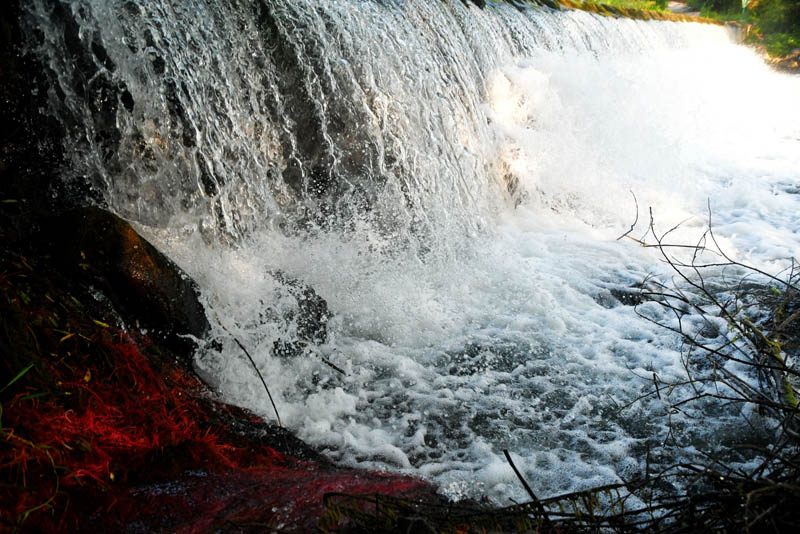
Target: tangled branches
x=740, y=326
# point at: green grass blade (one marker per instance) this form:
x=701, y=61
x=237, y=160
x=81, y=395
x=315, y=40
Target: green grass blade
x=19, y=375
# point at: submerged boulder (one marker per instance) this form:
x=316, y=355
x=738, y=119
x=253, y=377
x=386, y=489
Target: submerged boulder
x=145, y=287
x=310, y=317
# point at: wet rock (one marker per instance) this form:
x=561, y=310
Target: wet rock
x=629, y=296
x=788, y=63
x=634, y=295
x=30, y=140
x=310, y=317
x=252, y=431
x=145, y=287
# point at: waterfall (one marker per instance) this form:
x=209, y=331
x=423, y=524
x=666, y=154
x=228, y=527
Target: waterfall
x=452, y=181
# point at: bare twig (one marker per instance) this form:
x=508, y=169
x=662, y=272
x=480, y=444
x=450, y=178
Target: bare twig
x=636, y=220
x=525, y=485
x=253, y=363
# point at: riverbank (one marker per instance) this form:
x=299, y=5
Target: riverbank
x=107, y=428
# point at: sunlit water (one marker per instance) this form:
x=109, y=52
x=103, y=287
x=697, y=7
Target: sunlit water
x=470, y=316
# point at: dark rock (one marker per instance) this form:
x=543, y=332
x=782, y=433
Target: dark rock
x=629, y=296
x=633, y=295
x=313, y=313
x=414, y=526
x=253, y=431
x=788, y=63
x=144, y=286
x=30, y=140
x=311, y=317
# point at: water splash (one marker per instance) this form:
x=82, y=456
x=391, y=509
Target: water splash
x=452, y=182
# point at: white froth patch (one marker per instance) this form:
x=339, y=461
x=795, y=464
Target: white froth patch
x=512, y=340
x=664, y=126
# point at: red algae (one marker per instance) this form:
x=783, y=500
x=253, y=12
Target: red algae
x=103, y=431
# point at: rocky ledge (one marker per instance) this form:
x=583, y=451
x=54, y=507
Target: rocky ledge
x=788, y=63
x=106, y=429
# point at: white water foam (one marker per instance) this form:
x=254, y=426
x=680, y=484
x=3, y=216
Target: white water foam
x=511, y=343
x=684, y=129
x=496, y=328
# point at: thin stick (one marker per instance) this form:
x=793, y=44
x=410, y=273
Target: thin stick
x=537, y=503
x=332, y=365
x=636, y=202
x=253, y=363
x=323, y=358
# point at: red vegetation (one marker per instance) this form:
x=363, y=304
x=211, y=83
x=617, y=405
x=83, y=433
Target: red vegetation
x=103, y=432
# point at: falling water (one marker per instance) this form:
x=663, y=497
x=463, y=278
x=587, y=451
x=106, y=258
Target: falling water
x=452, y=181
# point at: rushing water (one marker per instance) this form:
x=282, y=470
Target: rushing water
x=452, y=181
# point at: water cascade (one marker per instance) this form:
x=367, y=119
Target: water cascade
x=452, y=181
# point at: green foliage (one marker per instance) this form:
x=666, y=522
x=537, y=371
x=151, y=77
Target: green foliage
x=719, y=6
x=776, y=22
x=779, y=16
x=781, y=44
x=653, y=5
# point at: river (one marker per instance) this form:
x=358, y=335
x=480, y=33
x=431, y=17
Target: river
x=453, y=182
